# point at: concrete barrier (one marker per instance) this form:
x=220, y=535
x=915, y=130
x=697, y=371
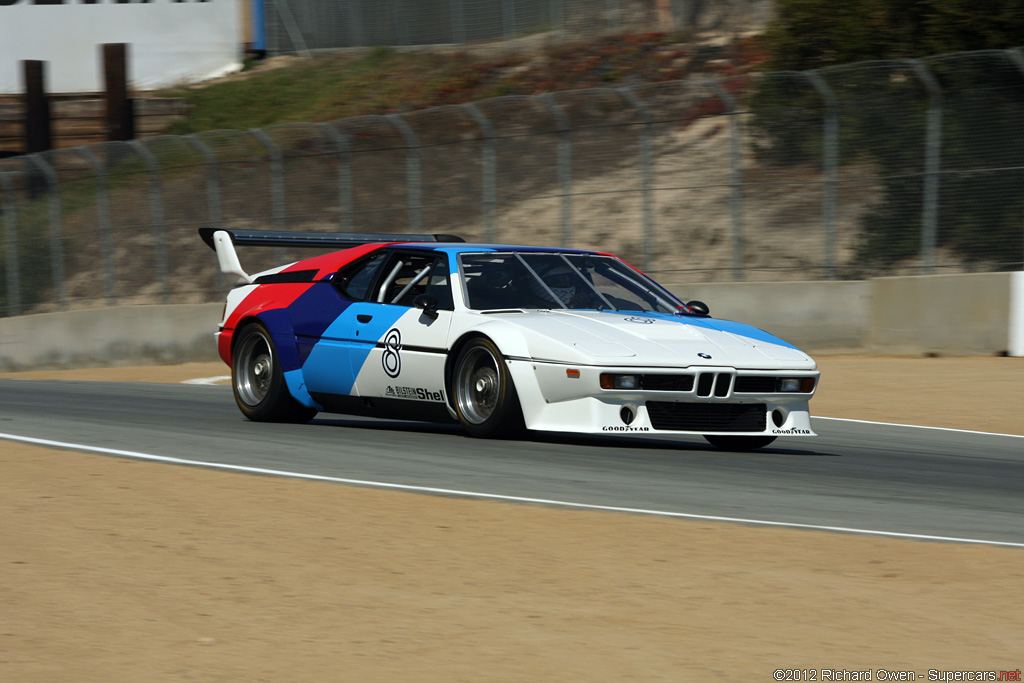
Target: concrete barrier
x=975, y=314
x=121, y=335
x=960, y=315
x=816, y=316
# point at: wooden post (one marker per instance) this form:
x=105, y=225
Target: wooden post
x=38, y=123
x=120, y=107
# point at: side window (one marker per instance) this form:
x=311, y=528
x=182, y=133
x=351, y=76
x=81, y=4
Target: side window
x=354, y=280
x=409, y=275
x=438, y=285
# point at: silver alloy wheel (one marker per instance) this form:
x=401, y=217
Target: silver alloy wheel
x=478, y=385
x=255, y=368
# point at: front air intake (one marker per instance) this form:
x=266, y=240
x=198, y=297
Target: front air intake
x=707, y=417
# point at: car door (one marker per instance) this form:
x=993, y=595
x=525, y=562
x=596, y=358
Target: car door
x=399, y=350
x=325, y=332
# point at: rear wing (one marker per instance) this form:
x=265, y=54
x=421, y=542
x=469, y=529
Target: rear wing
x=224, y=241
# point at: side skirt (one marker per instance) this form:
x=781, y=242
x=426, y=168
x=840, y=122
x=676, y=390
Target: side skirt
x=390, y=408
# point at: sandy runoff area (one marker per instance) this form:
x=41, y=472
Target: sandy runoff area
x=118, y=570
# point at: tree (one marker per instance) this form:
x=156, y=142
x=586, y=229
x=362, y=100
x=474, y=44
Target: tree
x=809, y=34
x=883, y=108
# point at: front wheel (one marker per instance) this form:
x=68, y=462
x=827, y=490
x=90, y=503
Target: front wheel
x=258, y=380
x=739, y=443
x=485, y=397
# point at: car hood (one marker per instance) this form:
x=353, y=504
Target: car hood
x=652, y=339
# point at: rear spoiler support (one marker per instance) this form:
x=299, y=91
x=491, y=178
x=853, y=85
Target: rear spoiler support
x=224, y=241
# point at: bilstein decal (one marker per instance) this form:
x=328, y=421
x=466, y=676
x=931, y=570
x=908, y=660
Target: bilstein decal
x=415, y=394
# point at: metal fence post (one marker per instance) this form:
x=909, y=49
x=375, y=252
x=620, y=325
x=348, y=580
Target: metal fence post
x=10, y=245
x=213, y=208
x=613, y=18
x=735, y=179
x=508, y=18
x=277, y=193
x=156, y=205
x=398, y=16
x=103, y=216
x=355, y=30
x=414, y=172
x=830, y=160
x=284, y=11
x=489, y=163
x=344, y=151
x=213, y=204
x=933, y=151
x=646, y=172
x=564, y=164
x=557, y=18
x=1016, y=56
x=56, y=229
x=458, y=21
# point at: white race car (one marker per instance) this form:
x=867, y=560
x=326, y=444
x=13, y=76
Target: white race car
x=497, y=338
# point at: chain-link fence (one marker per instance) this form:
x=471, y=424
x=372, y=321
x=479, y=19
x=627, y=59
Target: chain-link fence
x=305, y=26
x=850, y=172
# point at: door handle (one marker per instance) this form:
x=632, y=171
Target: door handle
x=363, y=318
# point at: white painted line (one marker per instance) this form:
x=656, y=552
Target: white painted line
x=207, y=380
x=492, y=496
x=939, y=429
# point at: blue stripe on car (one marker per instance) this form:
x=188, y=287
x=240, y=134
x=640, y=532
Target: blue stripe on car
x=297, y=388
x=327, y=359
x=729, y=326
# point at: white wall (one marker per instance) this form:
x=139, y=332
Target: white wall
x=171, y=41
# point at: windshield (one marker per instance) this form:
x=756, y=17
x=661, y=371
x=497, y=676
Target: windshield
x=505, y=280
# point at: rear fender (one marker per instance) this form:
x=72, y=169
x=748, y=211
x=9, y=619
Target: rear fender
x=278, y=322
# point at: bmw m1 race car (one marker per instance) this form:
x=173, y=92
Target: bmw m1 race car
x=497, y=338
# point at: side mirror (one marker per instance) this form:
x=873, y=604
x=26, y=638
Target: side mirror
x=699, y=307
x=427, y=304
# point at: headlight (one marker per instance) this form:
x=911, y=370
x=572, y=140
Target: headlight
x=610, y=381
x=789, y=384
x=796, y=385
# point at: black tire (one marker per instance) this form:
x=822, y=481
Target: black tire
x=258, y=380
x=739, y=443
x=483, y=394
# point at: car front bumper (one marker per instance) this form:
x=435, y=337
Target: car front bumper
x=721, y=400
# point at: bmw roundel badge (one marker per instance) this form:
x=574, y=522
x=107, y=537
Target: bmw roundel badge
x=705, y=356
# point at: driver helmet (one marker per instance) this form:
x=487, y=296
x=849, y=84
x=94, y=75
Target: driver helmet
x=562, y=281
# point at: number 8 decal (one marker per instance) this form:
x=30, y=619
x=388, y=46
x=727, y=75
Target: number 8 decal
x=391, y=361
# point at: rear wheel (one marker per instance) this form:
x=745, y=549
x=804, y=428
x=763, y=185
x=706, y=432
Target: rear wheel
x=739, y=443
x=258, y=380
x=485, y=397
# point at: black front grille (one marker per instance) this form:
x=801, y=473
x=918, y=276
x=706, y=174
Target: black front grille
x=707, y=417
x=756, y=384
x=666, y=382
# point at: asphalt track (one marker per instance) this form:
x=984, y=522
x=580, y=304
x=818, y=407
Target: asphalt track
x=862, y=476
